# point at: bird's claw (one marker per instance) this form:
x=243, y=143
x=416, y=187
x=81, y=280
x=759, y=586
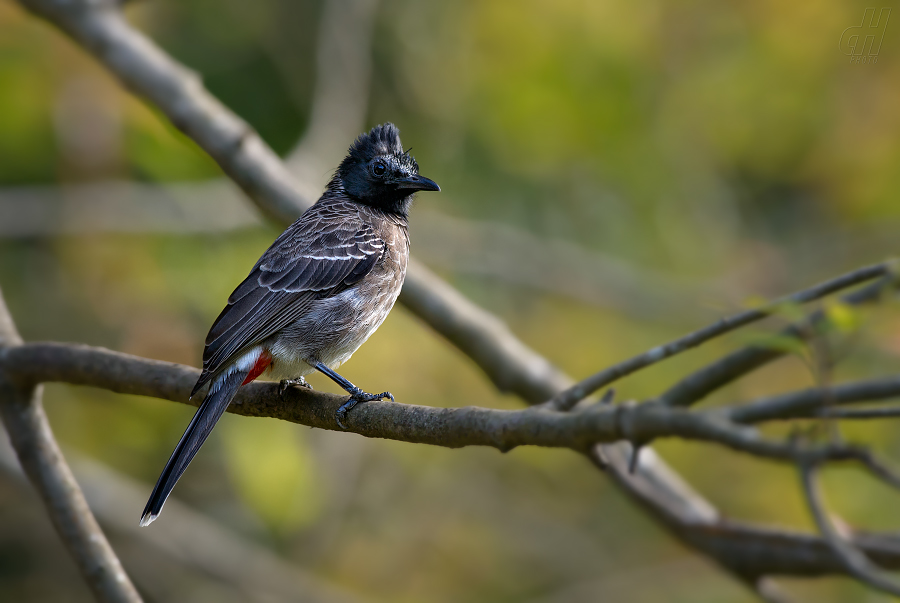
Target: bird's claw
x=286, y=383
x=355, y=398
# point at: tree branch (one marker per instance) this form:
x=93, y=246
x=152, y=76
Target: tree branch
x=449, y=427
x=891, y=412
x=43, y=462
x=99, y=27
x=571, y=396
x=190, y=539
x=812, y=402
x=750, y=551
x=852, y=559
x=452, y=427
x=701, y=383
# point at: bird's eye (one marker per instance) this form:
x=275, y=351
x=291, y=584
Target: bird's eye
x=379, y=169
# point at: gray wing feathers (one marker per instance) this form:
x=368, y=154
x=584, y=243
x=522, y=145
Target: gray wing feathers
x=314, y=258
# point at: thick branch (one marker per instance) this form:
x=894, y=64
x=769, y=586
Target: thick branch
x=450, y=427
x=509, y=363
x=754, y=550
x=749, y=550
x=143, y=68
x=43, y=462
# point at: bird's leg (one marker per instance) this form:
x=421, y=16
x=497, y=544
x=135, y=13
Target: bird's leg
x=356, y=395
x=286, y=383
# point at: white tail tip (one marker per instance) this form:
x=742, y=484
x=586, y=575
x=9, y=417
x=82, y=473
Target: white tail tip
x=147, y=519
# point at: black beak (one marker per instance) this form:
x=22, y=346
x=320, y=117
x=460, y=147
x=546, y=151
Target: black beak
x=417, y=183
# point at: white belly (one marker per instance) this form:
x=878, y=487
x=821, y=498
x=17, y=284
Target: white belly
x=329, y=333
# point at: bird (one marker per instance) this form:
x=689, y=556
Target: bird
x=315, y=296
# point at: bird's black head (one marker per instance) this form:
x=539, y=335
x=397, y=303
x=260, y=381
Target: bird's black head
x=379, y=173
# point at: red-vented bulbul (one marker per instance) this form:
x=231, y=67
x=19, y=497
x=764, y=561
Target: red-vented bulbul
x=315, y=295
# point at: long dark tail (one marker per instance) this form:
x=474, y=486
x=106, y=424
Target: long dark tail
x=214, y=405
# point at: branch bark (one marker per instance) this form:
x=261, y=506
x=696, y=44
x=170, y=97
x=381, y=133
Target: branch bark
x=750, y=551
x=812, y=402
x=33, y=363
x=43, y=462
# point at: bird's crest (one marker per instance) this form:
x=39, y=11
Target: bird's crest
x=380, y=140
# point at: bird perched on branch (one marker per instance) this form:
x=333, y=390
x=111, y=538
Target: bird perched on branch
x=315, y=295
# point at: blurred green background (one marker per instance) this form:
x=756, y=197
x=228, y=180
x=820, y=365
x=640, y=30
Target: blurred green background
x=673, y=160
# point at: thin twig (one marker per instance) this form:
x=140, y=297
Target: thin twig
x=812, y=402
x=856, y=564
x=881, y=470
x=571, y=396
x=701, y=383
x=889, y=412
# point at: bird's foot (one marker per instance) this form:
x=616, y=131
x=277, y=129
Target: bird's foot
x=357, y=396
x=286, y=383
